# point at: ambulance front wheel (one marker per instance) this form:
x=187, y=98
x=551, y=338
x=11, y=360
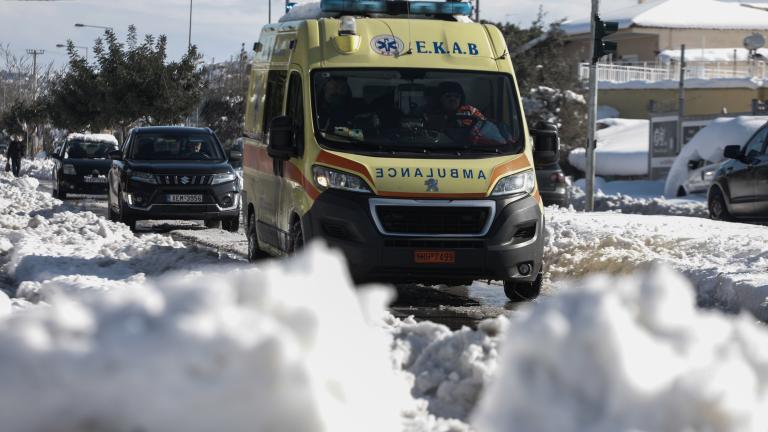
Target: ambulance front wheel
x=254, y=253
x=520, y=291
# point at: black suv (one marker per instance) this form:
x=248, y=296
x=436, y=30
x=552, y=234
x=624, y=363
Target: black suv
x=740, y=189
x=81, y=165
x=178, y=173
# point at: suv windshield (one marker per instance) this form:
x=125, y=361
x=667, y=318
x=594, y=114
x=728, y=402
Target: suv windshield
x=79, y=149
x=175, y=147
x=416, y=110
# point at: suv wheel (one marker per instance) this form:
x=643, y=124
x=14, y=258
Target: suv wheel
x=213, y=223
x=518, y=291
x=131, y=222
x=254, y=253
x=111, y=213
x=231, y=224
x=717, y=207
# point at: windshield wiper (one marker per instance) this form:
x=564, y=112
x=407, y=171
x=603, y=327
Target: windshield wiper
x=339, y=138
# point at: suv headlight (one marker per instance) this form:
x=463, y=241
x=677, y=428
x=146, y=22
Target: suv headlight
x=223, y=178
x=522, y=182
x=69, y=169
x=328, y=178
x=143, y=177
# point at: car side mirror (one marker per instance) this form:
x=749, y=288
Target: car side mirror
x=56, y=156
x=115, y=155
x=281, y=145
x=235, y=156
x=733, y=152
x=693, y=164
x=546, y=143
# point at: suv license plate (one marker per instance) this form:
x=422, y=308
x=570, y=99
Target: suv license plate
x=99, y=179
x=186, y=198
x=434, y=257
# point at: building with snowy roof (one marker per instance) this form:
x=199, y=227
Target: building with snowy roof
x=651, y=27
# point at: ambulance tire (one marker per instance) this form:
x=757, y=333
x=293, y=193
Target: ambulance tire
x=522, y=291
x=297, y=237
x=254, y=253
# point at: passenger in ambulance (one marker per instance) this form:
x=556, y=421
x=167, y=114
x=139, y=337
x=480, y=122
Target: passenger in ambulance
x=451, y=115
x=335, y=107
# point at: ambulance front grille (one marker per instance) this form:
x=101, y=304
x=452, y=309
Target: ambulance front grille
x=433, y=218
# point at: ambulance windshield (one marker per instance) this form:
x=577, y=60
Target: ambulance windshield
x=417, y=110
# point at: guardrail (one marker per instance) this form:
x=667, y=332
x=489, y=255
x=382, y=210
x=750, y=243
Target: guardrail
x=658, y=72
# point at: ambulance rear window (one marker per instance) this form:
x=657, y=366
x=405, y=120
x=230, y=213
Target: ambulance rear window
x=416, y=111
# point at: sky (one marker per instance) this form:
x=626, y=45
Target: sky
x=219, y=27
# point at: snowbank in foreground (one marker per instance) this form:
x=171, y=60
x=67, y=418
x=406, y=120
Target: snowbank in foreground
x=38, y=168
x=622, y=149
x=287, y=346
x=631, y=353
x=708, y=144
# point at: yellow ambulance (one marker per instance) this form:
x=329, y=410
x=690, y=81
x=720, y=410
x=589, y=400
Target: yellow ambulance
x=394, y=131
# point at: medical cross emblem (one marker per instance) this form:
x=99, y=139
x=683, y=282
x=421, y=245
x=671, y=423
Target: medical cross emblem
x=387, y=45
x=431, y=185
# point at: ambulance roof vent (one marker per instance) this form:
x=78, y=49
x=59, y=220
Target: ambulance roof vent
x=395, y=7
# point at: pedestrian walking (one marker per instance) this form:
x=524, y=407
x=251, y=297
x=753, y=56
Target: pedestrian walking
x=14, y=154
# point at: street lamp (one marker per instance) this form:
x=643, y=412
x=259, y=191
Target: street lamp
x=80, y=25
x=76, y=46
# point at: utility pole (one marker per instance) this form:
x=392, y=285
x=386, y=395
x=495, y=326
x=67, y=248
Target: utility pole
x=34, y=53
x=681, y=100
x=269, y=11
x=189, y=44
x=600, y=48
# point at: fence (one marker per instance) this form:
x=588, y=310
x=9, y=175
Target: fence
x=621, y=73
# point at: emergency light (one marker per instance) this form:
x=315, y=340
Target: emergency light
x=396, y=7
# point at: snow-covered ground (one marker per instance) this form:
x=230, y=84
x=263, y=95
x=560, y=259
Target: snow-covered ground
x=638, y=197
x=109, y=331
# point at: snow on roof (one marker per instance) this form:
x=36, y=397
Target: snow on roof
x=622, y=149
x=93, y=137
x=750, y=83
x=710, y=54
x=703, y=14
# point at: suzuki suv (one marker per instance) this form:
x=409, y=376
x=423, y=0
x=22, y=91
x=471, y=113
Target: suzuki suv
x=178, y=173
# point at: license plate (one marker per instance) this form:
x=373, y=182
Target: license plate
x=186, y=198
x=99, y=179
x=434, y=257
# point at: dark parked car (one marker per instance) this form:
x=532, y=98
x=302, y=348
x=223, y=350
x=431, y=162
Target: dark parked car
x=178, y=173
x=81, y=165
x=740, y=189
x=553, y=185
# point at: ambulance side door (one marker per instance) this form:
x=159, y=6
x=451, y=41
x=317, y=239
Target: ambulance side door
x=291, y=169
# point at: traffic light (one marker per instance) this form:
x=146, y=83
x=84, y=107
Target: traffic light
x=603, y=29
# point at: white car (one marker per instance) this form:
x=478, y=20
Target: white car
x=699, y=179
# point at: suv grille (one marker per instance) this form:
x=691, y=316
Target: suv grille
x=427, y=220
x=184, y=180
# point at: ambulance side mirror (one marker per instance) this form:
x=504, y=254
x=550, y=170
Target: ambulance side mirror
x=546, y=144
x=281, y=145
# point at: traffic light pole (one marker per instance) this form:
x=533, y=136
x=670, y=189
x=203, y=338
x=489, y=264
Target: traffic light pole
x=592, y=113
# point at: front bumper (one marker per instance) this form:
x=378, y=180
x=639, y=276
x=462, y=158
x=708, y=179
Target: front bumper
x=76, y=184
x=560, y=197
x=146, y=201
x=515, y=237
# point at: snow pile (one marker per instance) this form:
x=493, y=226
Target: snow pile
x=243, y=347
x=38, y=168
x=708, y=145
x=636, y=197
x=629, y=353
x=727, y=262
x=622, y=148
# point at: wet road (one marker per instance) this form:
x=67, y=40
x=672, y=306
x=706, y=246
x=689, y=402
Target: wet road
x=454, y=306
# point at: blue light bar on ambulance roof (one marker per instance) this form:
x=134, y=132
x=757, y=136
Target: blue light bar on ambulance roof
x=396, y=7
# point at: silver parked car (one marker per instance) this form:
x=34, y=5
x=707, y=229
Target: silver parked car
x=700, y=177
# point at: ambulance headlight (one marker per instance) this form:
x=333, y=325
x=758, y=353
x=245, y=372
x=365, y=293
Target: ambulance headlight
x=327, y=178
x=513, y=184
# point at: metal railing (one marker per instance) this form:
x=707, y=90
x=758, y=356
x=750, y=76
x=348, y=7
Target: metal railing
x=621, y=73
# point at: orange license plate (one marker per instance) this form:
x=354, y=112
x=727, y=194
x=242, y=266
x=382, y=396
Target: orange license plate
x=435, y=257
